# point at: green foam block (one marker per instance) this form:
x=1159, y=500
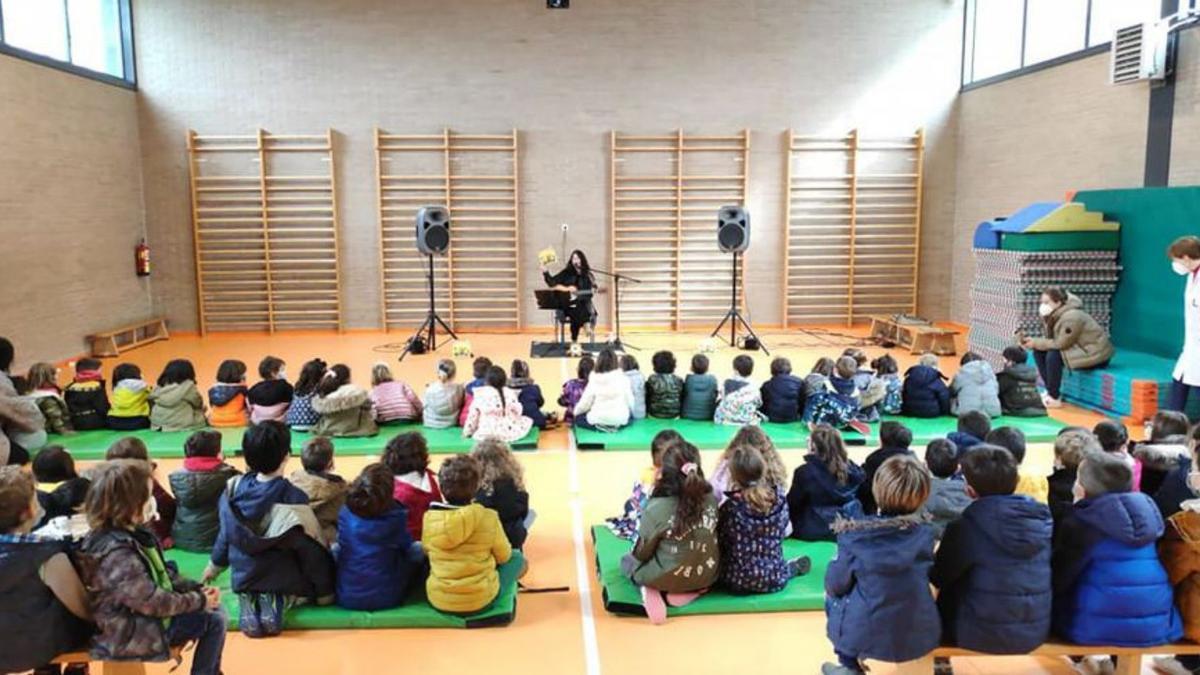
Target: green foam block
x=806, y=593
x=1060, y=241
x=416, y=612
x=710, y=436
x=91, y=445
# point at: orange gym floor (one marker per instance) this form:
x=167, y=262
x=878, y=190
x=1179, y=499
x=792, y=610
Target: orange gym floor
x=561, y=633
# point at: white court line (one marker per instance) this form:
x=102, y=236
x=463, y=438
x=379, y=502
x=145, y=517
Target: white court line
x=591, y=646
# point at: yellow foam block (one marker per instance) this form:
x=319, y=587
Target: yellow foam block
x=1073, y=217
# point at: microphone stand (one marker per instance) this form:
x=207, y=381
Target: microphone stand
x=617, y=279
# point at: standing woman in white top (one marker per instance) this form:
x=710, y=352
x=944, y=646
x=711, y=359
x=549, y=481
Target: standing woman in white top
x=1185, y=260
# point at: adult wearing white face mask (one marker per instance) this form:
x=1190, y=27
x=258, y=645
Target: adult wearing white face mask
x=1073, y=339
x=1185, y=260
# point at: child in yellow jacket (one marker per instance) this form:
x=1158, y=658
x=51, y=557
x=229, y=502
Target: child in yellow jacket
x=130, y=408
x=464, y=541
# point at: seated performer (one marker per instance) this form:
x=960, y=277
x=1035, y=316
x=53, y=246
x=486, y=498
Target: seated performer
x=577, y=279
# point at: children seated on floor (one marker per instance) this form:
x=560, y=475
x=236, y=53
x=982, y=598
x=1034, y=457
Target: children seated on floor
x=1019, y=395
x=480, y=367
x=1179, y=550
x=300, y=414
x=1176, y=486
x=887, y=371
x=465, y=543
x=326, y=490
x=664, y=389
x=1109, y=586
x=443, y=399
x=572, y=390
x=824, y=488
x=495, y=411
x=228, y=396
x=607, y=400
x=1165, y=448
x=676, y=551
x=502, y=489
x=271, y=397
x=130, y=401
x=162, y=519
x=974, y=387
x=993, y=565
x=783, y=394
x=416, y=486
x=818, y=378
x=894, y=439
x=530, y=395
x=86, y=397
x=878, y=604
x=836, y=403
x=925, y=393
x=393, y=401
x=269, y=537
x=947, y=491
x=1114, y=439
x=637, y=382
x=1013, y=439
x=625, y=526
x=699, y=392
x=60, y=490
x=776, y=475
x=344, y=407
x=871, y=389
x=972, y=428
x=140, y=605
x=740, y=402
x=43, y=387
x=176, y=404
x=42, y=599
x=377, y=559
x=1070, y=447
x=198, y=487
x=751, y=526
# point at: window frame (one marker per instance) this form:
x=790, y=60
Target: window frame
x=1024, y=69
x=128, y=51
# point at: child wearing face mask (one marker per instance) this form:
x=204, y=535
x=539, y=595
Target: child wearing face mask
x=270, y=398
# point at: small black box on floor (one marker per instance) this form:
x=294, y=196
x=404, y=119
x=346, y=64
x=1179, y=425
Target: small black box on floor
x=558, y=4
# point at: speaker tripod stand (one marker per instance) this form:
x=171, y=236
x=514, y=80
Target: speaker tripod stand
x=734, y=316
x=426, y=335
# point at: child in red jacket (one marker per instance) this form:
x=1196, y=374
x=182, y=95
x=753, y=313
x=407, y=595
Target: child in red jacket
x=407, y=456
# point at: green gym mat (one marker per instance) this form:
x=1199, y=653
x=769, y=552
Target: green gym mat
x=91, y=445
x=710, y=436
x=621, y=596
x=416, y=612
x=1060, y=241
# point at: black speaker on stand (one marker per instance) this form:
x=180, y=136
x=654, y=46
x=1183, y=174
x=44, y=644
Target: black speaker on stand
x=433, y=238
x=733, y=236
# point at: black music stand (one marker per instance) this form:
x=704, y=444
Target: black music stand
x=429, y=326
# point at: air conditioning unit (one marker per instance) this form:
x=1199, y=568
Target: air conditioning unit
x=1144, y=51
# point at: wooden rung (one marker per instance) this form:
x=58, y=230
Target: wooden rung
x=299, y=189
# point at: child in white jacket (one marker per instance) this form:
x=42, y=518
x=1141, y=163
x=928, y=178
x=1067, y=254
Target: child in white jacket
x=607, y=399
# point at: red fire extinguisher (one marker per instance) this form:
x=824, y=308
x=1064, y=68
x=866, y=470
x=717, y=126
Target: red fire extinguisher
x=142, y=259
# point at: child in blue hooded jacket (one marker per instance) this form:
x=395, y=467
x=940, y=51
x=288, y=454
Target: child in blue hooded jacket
x=877, y=599
x=1109, y=586
x=824, y=488
x=993, y=567
x=377, y=559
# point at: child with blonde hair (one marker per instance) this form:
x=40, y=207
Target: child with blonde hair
x=755, y=437
x=443, y=399
x=925, y=393
x=43, y=387
x=878, y=604
x=394, y=401
x=502, y=488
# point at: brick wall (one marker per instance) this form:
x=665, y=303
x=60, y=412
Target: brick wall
x=565, y=78
x=70, y=210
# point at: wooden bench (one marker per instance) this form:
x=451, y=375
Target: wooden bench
x=113, y=342
x=917, y=338
x=113, y=667
x=1129, y=663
